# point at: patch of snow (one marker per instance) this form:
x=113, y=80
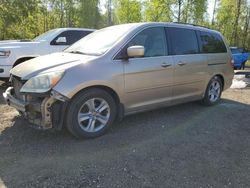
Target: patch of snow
x=238, y=84
x=239, y=77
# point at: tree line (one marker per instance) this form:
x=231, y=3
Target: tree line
x=25, y=19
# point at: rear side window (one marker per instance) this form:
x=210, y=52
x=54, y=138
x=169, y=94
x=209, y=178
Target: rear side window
x=183, y=41
x=212, y=43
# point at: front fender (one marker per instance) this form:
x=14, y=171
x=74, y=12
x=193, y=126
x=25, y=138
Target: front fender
x=91, y=75
x=70, y=92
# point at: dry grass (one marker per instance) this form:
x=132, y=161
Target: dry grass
x=248, y=63
x=7, y=116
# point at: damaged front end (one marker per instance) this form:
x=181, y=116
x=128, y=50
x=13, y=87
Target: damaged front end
x=42, y=110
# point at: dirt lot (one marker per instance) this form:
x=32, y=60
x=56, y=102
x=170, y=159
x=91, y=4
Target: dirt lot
x=183, y=146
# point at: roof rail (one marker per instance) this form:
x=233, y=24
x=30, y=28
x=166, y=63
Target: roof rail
x=191, y=24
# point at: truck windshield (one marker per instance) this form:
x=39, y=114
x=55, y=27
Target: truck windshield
x=45, y=36
x=100, y=41
x=235, y=51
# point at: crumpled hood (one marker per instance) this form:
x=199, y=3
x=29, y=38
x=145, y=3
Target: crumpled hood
x=47, y=63
x=10, y=44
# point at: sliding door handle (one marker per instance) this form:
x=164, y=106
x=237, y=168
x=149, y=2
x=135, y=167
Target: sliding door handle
x=165, y=65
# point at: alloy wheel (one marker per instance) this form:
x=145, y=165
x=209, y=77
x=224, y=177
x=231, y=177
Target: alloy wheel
x=214, y=91
x=94, y=115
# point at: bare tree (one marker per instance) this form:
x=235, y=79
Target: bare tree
x=235, y=25
x=246, y=28
x=215, y=2
x=61, y=13
x=179, y=10
x=109, y=9
x=187, y=11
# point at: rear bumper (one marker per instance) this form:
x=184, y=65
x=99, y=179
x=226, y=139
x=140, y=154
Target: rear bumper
x=44, y=114
x=228, y=79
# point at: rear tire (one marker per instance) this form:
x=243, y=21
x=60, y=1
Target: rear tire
x=213, y=92
x=91, y=113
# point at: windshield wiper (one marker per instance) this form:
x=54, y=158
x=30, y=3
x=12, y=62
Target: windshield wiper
x=77, y=52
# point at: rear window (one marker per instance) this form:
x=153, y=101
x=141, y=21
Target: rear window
x=72, y=36
x=183, y=41
x=212, y=43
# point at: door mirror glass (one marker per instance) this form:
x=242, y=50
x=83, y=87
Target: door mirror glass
x=135, y=51
x=61, y=40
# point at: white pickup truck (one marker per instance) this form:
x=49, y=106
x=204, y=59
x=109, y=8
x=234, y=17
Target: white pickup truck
x=14, y=52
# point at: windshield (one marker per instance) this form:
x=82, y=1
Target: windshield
x=45, y=36
x=100, y=41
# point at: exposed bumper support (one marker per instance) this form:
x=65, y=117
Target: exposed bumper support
x=45, y=113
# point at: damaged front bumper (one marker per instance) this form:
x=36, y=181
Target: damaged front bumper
x=44, y=112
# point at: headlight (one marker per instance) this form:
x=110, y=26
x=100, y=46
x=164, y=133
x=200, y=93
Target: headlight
x=4, y=53
x=42, y=83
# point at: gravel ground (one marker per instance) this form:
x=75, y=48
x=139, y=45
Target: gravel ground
x=188, y=145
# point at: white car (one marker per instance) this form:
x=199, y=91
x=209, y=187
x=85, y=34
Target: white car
x=13, y=52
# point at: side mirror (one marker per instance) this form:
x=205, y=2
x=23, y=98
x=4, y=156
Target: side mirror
x=136, y=51
x=61, y=40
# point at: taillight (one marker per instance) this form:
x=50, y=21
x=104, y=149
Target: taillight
x=231, y=62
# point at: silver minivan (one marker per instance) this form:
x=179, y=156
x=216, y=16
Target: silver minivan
x=121, y=70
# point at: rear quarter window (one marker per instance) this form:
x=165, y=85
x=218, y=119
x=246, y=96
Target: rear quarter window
x=212, y=43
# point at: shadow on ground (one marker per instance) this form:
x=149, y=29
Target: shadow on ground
x=182, y=146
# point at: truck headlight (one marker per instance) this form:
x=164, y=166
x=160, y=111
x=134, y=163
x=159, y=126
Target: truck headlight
x=42, y=83
x=4, y=53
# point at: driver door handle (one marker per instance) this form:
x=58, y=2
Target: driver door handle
x=181, y=63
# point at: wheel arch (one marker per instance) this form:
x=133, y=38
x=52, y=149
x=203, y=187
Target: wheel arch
x=221, y=78
x=103, y=87
x=22, y=59
x=111, y=91
x=214, y=75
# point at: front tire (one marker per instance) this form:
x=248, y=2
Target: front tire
x=91, y=113
x=213, y=92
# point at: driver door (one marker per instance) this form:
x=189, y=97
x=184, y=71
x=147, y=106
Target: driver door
x=149, y=79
